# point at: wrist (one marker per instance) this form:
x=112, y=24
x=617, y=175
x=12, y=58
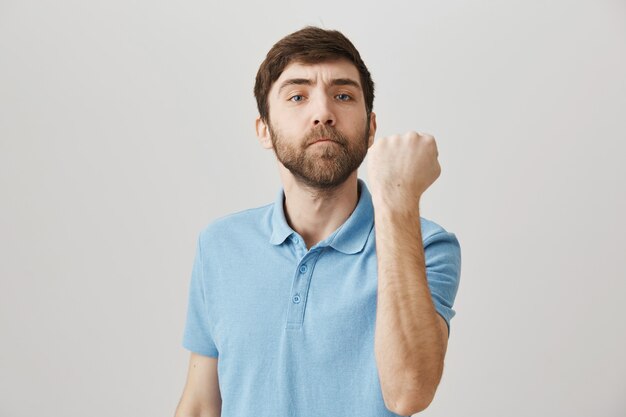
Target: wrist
x=395, y=208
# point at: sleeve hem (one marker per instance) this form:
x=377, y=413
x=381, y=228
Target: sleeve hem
x=201, y=351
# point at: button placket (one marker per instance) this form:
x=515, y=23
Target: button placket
x=299, y=290
x=298, y=245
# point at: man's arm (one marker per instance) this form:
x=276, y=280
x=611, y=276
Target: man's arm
x=201, y=396
x=411, y=337
x=409, y=342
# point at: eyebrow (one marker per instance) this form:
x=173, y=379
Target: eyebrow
x=305, y=81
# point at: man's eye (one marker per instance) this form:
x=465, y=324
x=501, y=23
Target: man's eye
x=343, y=97
x=298, y=97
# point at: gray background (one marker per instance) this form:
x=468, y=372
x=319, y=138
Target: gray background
x=126, y=127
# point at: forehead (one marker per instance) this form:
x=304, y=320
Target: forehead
x=326, y=71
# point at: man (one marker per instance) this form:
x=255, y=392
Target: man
x=335, y=300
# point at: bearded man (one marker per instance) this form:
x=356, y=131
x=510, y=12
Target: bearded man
x=335, y=299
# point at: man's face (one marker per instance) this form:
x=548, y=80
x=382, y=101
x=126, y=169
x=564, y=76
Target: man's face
x=309, y=103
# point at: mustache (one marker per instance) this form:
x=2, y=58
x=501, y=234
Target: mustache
x=327, y=132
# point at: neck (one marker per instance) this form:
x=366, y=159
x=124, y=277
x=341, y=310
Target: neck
x=315, y=214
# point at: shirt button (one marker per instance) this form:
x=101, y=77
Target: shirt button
x=296, y=240
x=303, y=269
x=296, y=298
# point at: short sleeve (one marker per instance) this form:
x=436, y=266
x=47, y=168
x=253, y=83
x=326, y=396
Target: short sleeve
x=443, y=270
x=197, y=336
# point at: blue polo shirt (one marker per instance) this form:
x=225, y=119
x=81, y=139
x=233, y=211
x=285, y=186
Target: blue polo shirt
x=294, y=328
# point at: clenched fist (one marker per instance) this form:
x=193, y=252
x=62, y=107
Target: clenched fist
x=401, y=167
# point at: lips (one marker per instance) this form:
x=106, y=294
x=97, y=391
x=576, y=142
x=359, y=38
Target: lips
x=324, y=134
x=321, y=140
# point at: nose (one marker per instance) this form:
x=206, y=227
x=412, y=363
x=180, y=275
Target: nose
x=323, y=112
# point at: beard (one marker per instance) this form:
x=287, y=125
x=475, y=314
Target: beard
x=322, y=166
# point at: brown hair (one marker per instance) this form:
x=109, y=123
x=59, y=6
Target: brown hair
x=309, y=45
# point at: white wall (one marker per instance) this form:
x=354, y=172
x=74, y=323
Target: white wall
x=125, y=127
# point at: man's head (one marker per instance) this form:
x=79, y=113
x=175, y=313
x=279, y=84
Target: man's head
x=313, y=84
x=310, y=45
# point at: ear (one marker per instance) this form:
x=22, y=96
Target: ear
x=370, y=140
x=262, y=133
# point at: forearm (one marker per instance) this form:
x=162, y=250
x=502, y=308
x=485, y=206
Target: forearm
x=408, y=344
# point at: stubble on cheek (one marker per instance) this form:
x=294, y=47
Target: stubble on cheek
x=321, y=165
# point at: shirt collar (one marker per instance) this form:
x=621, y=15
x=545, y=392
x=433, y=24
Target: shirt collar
x=349, y=238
